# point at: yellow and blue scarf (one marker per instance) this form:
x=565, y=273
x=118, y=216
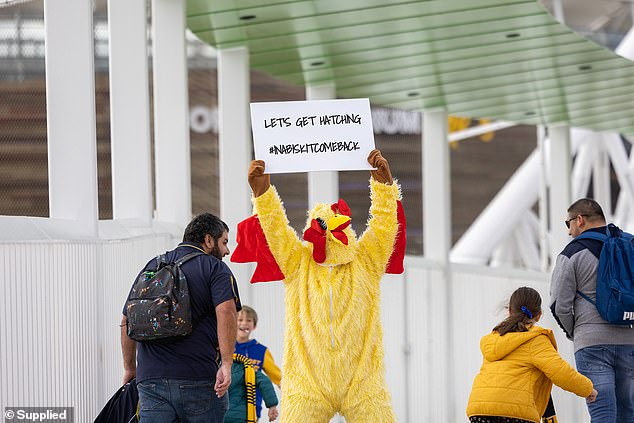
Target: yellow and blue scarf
x=249, y=382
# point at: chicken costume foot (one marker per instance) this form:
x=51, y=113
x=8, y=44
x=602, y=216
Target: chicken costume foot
x=333, y=340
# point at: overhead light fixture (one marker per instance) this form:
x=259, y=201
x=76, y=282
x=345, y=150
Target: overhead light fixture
x=412, y=94
x=247, y=17
x=317, y=63
x=584, y=67
x=513, y=35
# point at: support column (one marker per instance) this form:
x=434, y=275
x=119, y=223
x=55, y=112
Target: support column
x=436, y=187
x=544, y=249
x=70, y=108
x=505, y=254
x=130, y=112
x=437, y=243
x=582, y=169
x=323, y=187
x=560, y=187
x=171, y=108
x=558, y=9
x=526, y=242
x=601, y=177
x=234, y=146
x=624, y=169
x=626, y=46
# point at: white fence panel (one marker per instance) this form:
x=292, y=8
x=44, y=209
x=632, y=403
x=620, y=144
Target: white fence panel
x=59, y=320
x=395, y=340
x=49, y=336
x=62, y=302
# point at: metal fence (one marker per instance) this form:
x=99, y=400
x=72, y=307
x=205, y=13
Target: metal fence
x=23, y=150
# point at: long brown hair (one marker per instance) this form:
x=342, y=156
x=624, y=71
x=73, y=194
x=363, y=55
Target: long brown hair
x=524, y=307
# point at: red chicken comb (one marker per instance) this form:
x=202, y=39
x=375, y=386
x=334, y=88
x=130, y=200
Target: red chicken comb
x=341, y=207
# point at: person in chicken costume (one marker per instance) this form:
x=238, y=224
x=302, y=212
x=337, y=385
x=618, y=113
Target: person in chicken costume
x=333, y=341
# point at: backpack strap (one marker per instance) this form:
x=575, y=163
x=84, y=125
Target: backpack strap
x=585, y=297
x=188, y=257
x=161, y=260
x=597, y=236
x=179, y=263
x=617, y=232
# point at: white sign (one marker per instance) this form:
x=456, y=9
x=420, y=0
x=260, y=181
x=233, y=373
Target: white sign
x=306, y=136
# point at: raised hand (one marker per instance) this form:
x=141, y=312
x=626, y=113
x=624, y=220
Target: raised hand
x=258, y=180
x=382, y=173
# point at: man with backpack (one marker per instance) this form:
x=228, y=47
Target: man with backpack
x=183, y=377
x=583, y=299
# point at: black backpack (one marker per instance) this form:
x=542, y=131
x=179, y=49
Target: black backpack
x=158, y=307
x=122, y=406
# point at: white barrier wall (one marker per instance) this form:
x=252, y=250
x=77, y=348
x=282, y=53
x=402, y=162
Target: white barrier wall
x=60, y=311
x=62, y=302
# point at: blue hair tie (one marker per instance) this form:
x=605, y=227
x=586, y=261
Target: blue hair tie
x=526, y=311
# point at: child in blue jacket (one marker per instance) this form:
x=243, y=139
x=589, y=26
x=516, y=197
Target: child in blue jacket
x=259, y=354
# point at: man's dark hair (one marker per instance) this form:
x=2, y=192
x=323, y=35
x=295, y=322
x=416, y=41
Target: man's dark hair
x=587, y=207
x=203, y=224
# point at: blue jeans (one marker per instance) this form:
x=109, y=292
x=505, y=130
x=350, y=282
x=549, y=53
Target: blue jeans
x=611, y=370
x=174, y=400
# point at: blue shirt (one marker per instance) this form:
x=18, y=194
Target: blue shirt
x=197, y=356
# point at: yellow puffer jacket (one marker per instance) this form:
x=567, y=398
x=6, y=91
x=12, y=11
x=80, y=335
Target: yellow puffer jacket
x=333, y=339
x=517, y=375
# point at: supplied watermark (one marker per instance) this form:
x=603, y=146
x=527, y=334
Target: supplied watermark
x=38, y=414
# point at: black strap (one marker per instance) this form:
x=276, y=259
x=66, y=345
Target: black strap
x=549, y=413
x=161, y=259
x=189, y=257
x=179, y=263
x=585, y=297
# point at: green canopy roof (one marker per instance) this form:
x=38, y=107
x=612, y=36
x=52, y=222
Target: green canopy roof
x=497, y=59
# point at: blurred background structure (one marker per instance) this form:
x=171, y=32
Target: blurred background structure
x=119, y=120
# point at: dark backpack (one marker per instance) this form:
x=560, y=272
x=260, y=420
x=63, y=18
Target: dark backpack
x=615, y=275
x=158, y=307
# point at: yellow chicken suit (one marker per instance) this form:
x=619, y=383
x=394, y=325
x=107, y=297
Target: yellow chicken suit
x=333, y=340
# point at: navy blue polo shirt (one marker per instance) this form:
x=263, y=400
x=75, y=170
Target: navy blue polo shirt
x=196, y=356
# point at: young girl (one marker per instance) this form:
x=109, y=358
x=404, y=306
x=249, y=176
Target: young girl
x=520, y=365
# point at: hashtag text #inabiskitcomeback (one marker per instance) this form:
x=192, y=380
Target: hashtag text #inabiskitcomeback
x=317, y=147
